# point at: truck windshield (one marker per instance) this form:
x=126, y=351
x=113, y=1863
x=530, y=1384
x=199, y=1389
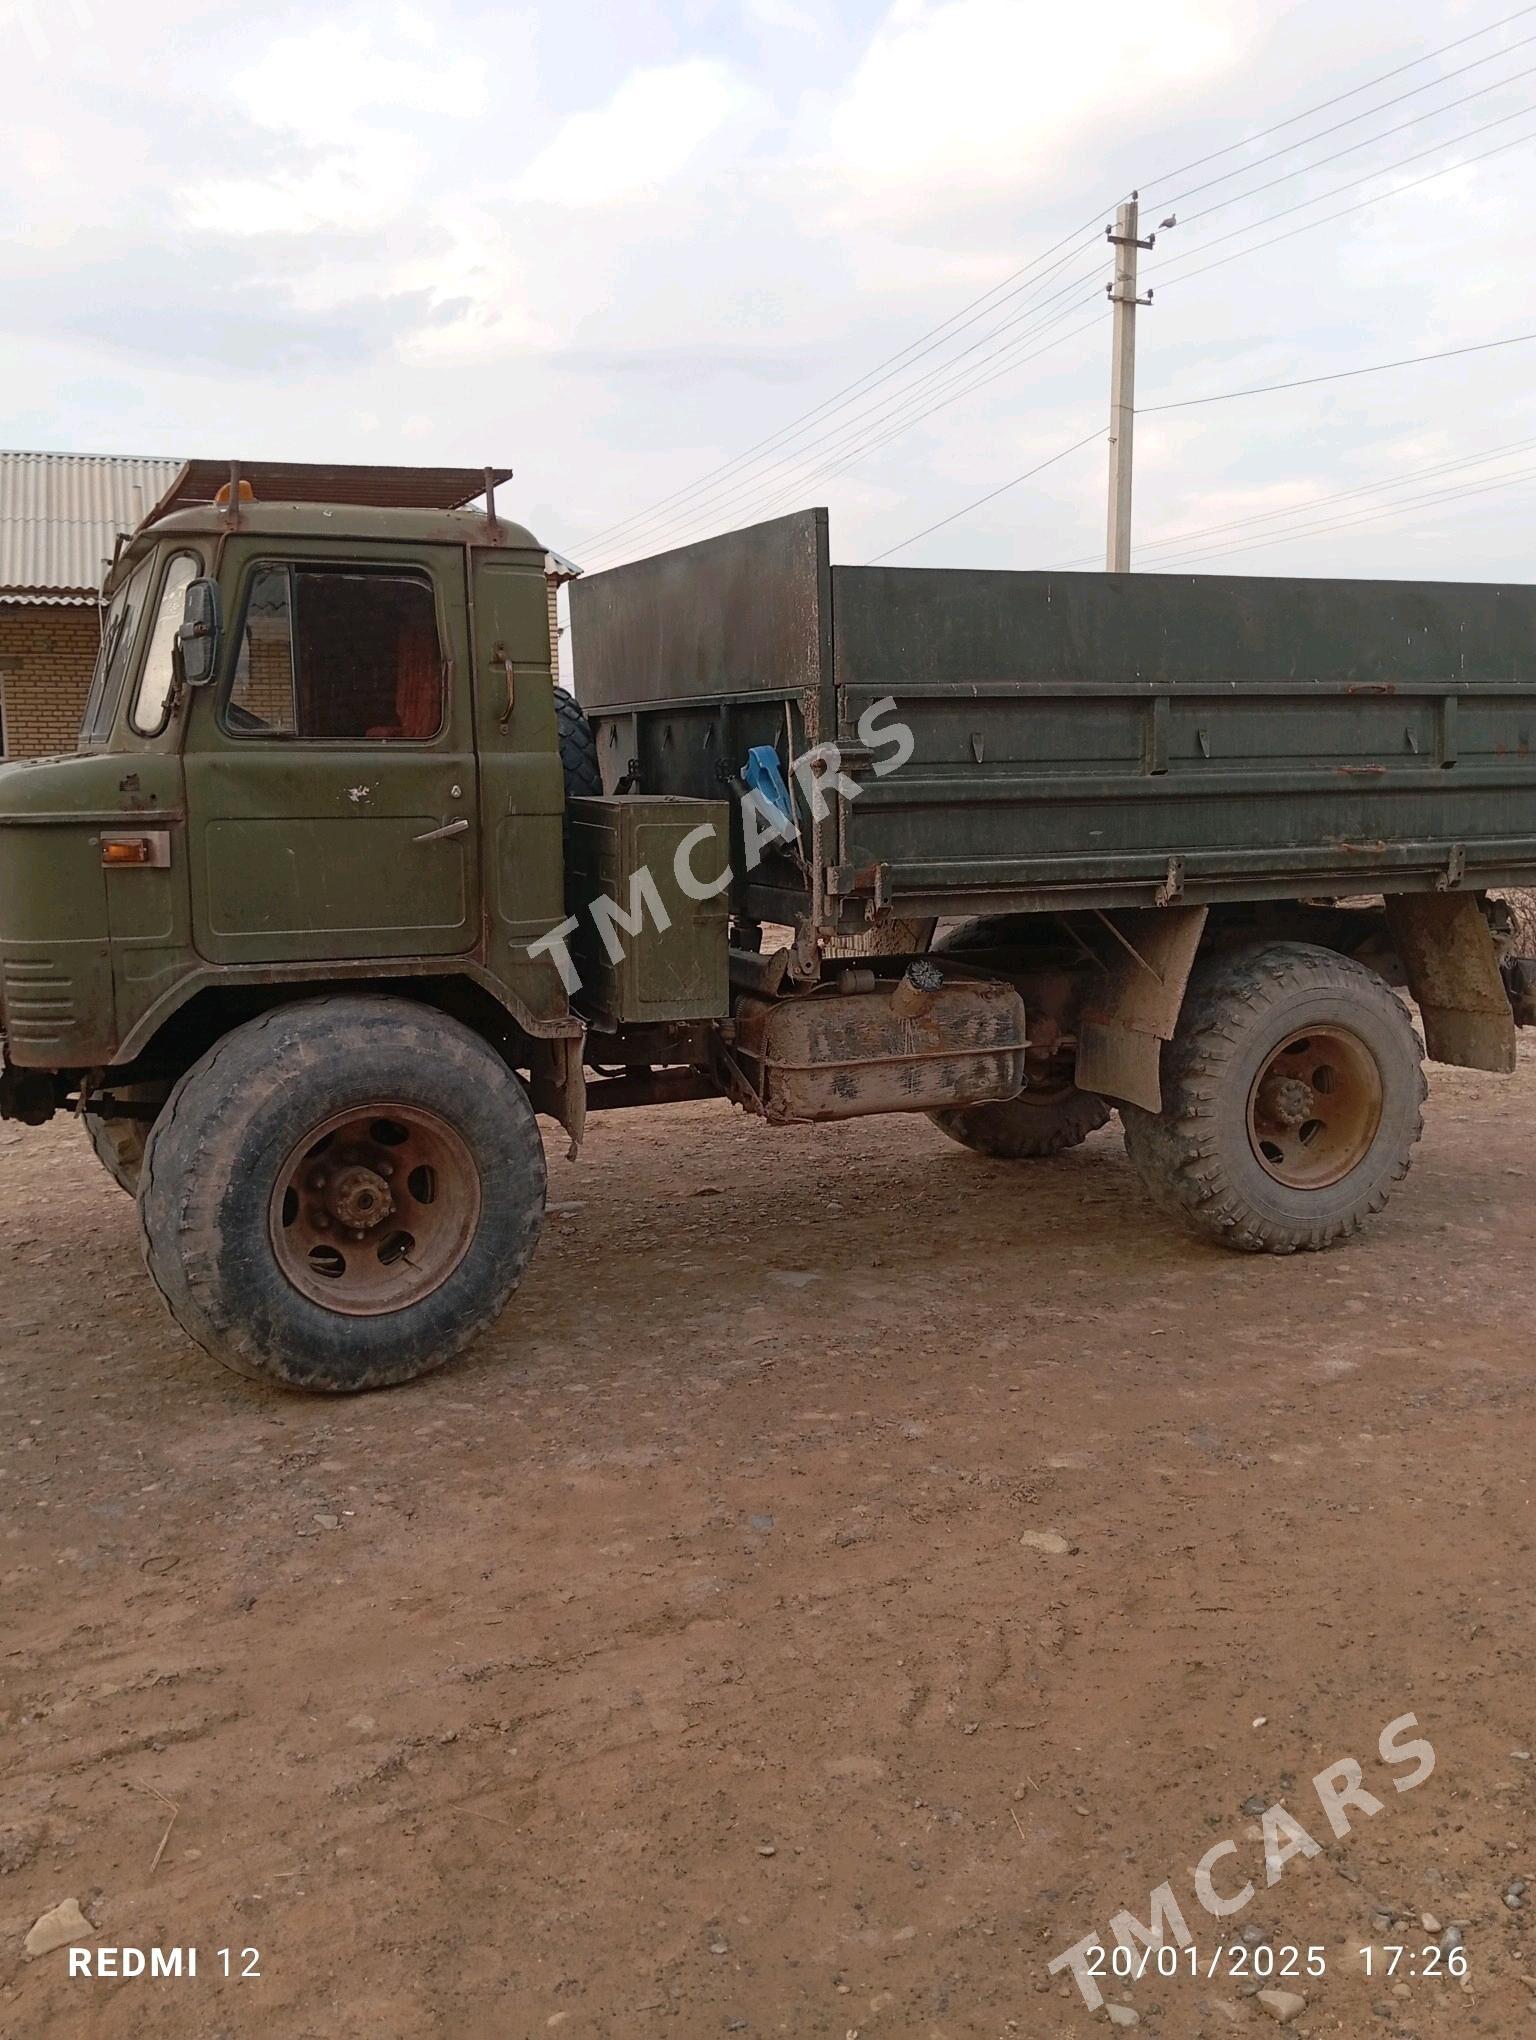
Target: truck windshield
x=152, y=696
x=118, y=629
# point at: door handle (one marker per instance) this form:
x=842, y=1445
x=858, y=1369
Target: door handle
x=459, y=827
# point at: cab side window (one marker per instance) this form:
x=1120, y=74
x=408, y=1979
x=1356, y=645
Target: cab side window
x=338, y=655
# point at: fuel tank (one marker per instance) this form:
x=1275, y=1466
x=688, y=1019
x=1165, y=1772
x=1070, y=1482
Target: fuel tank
x=860, y=1044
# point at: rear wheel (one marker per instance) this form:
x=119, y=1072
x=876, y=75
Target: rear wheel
x=1292, y=1099
x=342, y=1194
x=1044, y=1120
x=1051, y=1114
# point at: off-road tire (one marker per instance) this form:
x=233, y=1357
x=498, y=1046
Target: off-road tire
x=578, y=747
x=1026, y=1128
x=1036, y=1124
x=217, y=1151
x=983, y=931
x=119, y=1144
x=1196, y=1156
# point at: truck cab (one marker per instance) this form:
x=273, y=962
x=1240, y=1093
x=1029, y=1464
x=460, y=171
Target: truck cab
x=346, y=763
x=310, y=837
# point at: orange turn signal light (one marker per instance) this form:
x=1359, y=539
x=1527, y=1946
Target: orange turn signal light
x=153, y=850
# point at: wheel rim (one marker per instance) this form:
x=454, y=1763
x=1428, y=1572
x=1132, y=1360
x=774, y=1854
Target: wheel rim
x=1315, y=1108
x=374, y=1209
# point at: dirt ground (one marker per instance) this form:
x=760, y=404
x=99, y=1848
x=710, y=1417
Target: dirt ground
x=681, y=1663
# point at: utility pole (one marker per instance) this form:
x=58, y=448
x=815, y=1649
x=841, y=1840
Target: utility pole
x=1122, y=380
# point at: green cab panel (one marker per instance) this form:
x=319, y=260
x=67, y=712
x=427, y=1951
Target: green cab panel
x=350, y=865
x=331, y=774
x=522, y=784
x=68, y=927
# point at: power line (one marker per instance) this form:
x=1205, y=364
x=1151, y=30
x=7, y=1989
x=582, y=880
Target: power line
x=968, y=314
x=893, y=415
x=1429, y=113
x=1353, y=93
x=1301, y=170
x=1365, y=177
x=1340, y=375
x=796, y=490
x=1223, y=396
x=1186, y=544
x=838, y=448
x=1308, y=226
x=1229, y=394
x=874, y=445
x=971, y=381
x=860, y=384
x=966, y=509
x=889, y=407
x=1320, y=197
x=885, y=431
x=1434, y=498
x=1185, y=541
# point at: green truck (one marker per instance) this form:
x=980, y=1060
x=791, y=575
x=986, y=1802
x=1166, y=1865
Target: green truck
x=339, y=893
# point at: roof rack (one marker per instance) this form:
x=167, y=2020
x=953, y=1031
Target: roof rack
x=380, y=488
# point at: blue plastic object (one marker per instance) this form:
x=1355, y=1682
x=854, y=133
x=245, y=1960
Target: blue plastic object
x=763, y=776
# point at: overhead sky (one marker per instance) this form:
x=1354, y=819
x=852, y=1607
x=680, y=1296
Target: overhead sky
x=616, y=245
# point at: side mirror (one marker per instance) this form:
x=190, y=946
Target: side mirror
x=197, y=639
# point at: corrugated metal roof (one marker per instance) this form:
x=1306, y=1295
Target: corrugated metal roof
x=60, y=514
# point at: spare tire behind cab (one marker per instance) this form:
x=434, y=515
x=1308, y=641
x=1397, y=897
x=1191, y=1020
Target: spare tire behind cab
x=578, y=747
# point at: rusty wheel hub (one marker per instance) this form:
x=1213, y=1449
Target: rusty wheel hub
x=1285, y=1101
x=358, y=1197
x=374, y=1209
x=1315, y=1108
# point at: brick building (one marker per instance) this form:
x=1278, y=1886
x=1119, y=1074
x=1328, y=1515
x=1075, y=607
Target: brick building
x=60, y=514
x=558, y=569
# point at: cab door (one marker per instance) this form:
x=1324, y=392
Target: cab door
x=522, y=785
x=331, y=787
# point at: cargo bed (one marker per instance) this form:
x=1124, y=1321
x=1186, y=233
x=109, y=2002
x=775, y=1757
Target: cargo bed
x=1081, y=740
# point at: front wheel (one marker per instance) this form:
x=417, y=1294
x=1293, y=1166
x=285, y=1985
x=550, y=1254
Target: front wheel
x=1292, y=1098
x=342, y=1194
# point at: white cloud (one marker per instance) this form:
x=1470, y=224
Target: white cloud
x=343, y=95
x=774, y=14
x=348, y=191
x=644, y=138
x=977, y=97
x=485, y=290
x=322, y=82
